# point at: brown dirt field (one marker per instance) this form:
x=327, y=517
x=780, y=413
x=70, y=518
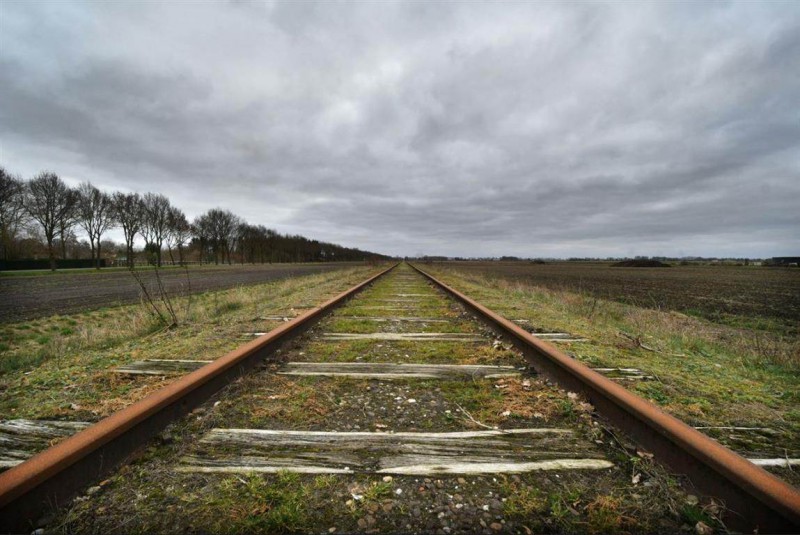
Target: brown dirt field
x=25, y=298
x=714, y=292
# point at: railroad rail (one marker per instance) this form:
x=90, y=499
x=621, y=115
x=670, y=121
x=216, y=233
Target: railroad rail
x=757, y=499
x=31, y=488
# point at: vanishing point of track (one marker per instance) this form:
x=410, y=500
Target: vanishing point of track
x=755, y=498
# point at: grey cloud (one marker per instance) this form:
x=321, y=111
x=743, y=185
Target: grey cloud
x=453, y=128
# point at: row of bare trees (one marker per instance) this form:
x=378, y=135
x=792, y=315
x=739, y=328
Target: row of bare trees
x=46, y=206
x=54, y=208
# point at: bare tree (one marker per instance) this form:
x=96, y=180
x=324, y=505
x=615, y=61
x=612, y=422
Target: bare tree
x=156, y=223
x=128, y=211
x=67, y=223
x=50, y=203
x=94, y=215
x=231, y=224
x=247, y=242
x=201, y=230
x=207, y=234
x=219, y=229
x=12, y=211
x=179, y=232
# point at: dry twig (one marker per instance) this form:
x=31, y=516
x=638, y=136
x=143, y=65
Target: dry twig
x=636, y=340
x=473, y=420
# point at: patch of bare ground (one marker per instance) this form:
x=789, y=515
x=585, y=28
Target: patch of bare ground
x=640, y=263
x=64, y=293
x=756, y=297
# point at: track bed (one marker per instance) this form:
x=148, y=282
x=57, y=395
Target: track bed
x=387, y=433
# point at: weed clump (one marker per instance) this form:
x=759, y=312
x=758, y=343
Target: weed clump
x=260, y=506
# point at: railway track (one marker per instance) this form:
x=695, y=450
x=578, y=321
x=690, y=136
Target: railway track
x=391, y=409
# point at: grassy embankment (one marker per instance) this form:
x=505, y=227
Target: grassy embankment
x=707, y=374
x=58, y=367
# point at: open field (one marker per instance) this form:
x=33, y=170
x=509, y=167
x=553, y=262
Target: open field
x=740, y=384
x=58, y=367
x=754, y=296
x=65, y=292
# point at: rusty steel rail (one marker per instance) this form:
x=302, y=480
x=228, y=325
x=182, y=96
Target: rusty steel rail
x=48, y=479
x=754, y=498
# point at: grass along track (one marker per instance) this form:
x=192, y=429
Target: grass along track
x=322, y=453
x=560, y=436
x=741, y=387
x=59, y=367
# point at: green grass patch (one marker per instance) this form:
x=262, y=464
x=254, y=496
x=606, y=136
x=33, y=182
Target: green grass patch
x=69, y=366
x=230, y=306
x=705, y=373
x=524, y=501
x=277, y=505
x=21, y=361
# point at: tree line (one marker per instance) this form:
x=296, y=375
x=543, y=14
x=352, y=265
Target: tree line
x=44, y=213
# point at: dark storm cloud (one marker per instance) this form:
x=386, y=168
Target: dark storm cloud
x=441, y=128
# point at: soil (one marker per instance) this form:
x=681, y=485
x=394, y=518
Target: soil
x=715, y=292
x=640, y=263
x=26, y=298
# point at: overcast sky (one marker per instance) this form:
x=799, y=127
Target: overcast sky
x=557, y=129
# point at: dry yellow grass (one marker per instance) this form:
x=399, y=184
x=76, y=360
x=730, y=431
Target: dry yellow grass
x=69, y=374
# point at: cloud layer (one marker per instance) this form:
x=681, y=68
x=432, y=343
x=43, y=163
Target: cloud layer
x=437, y=128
